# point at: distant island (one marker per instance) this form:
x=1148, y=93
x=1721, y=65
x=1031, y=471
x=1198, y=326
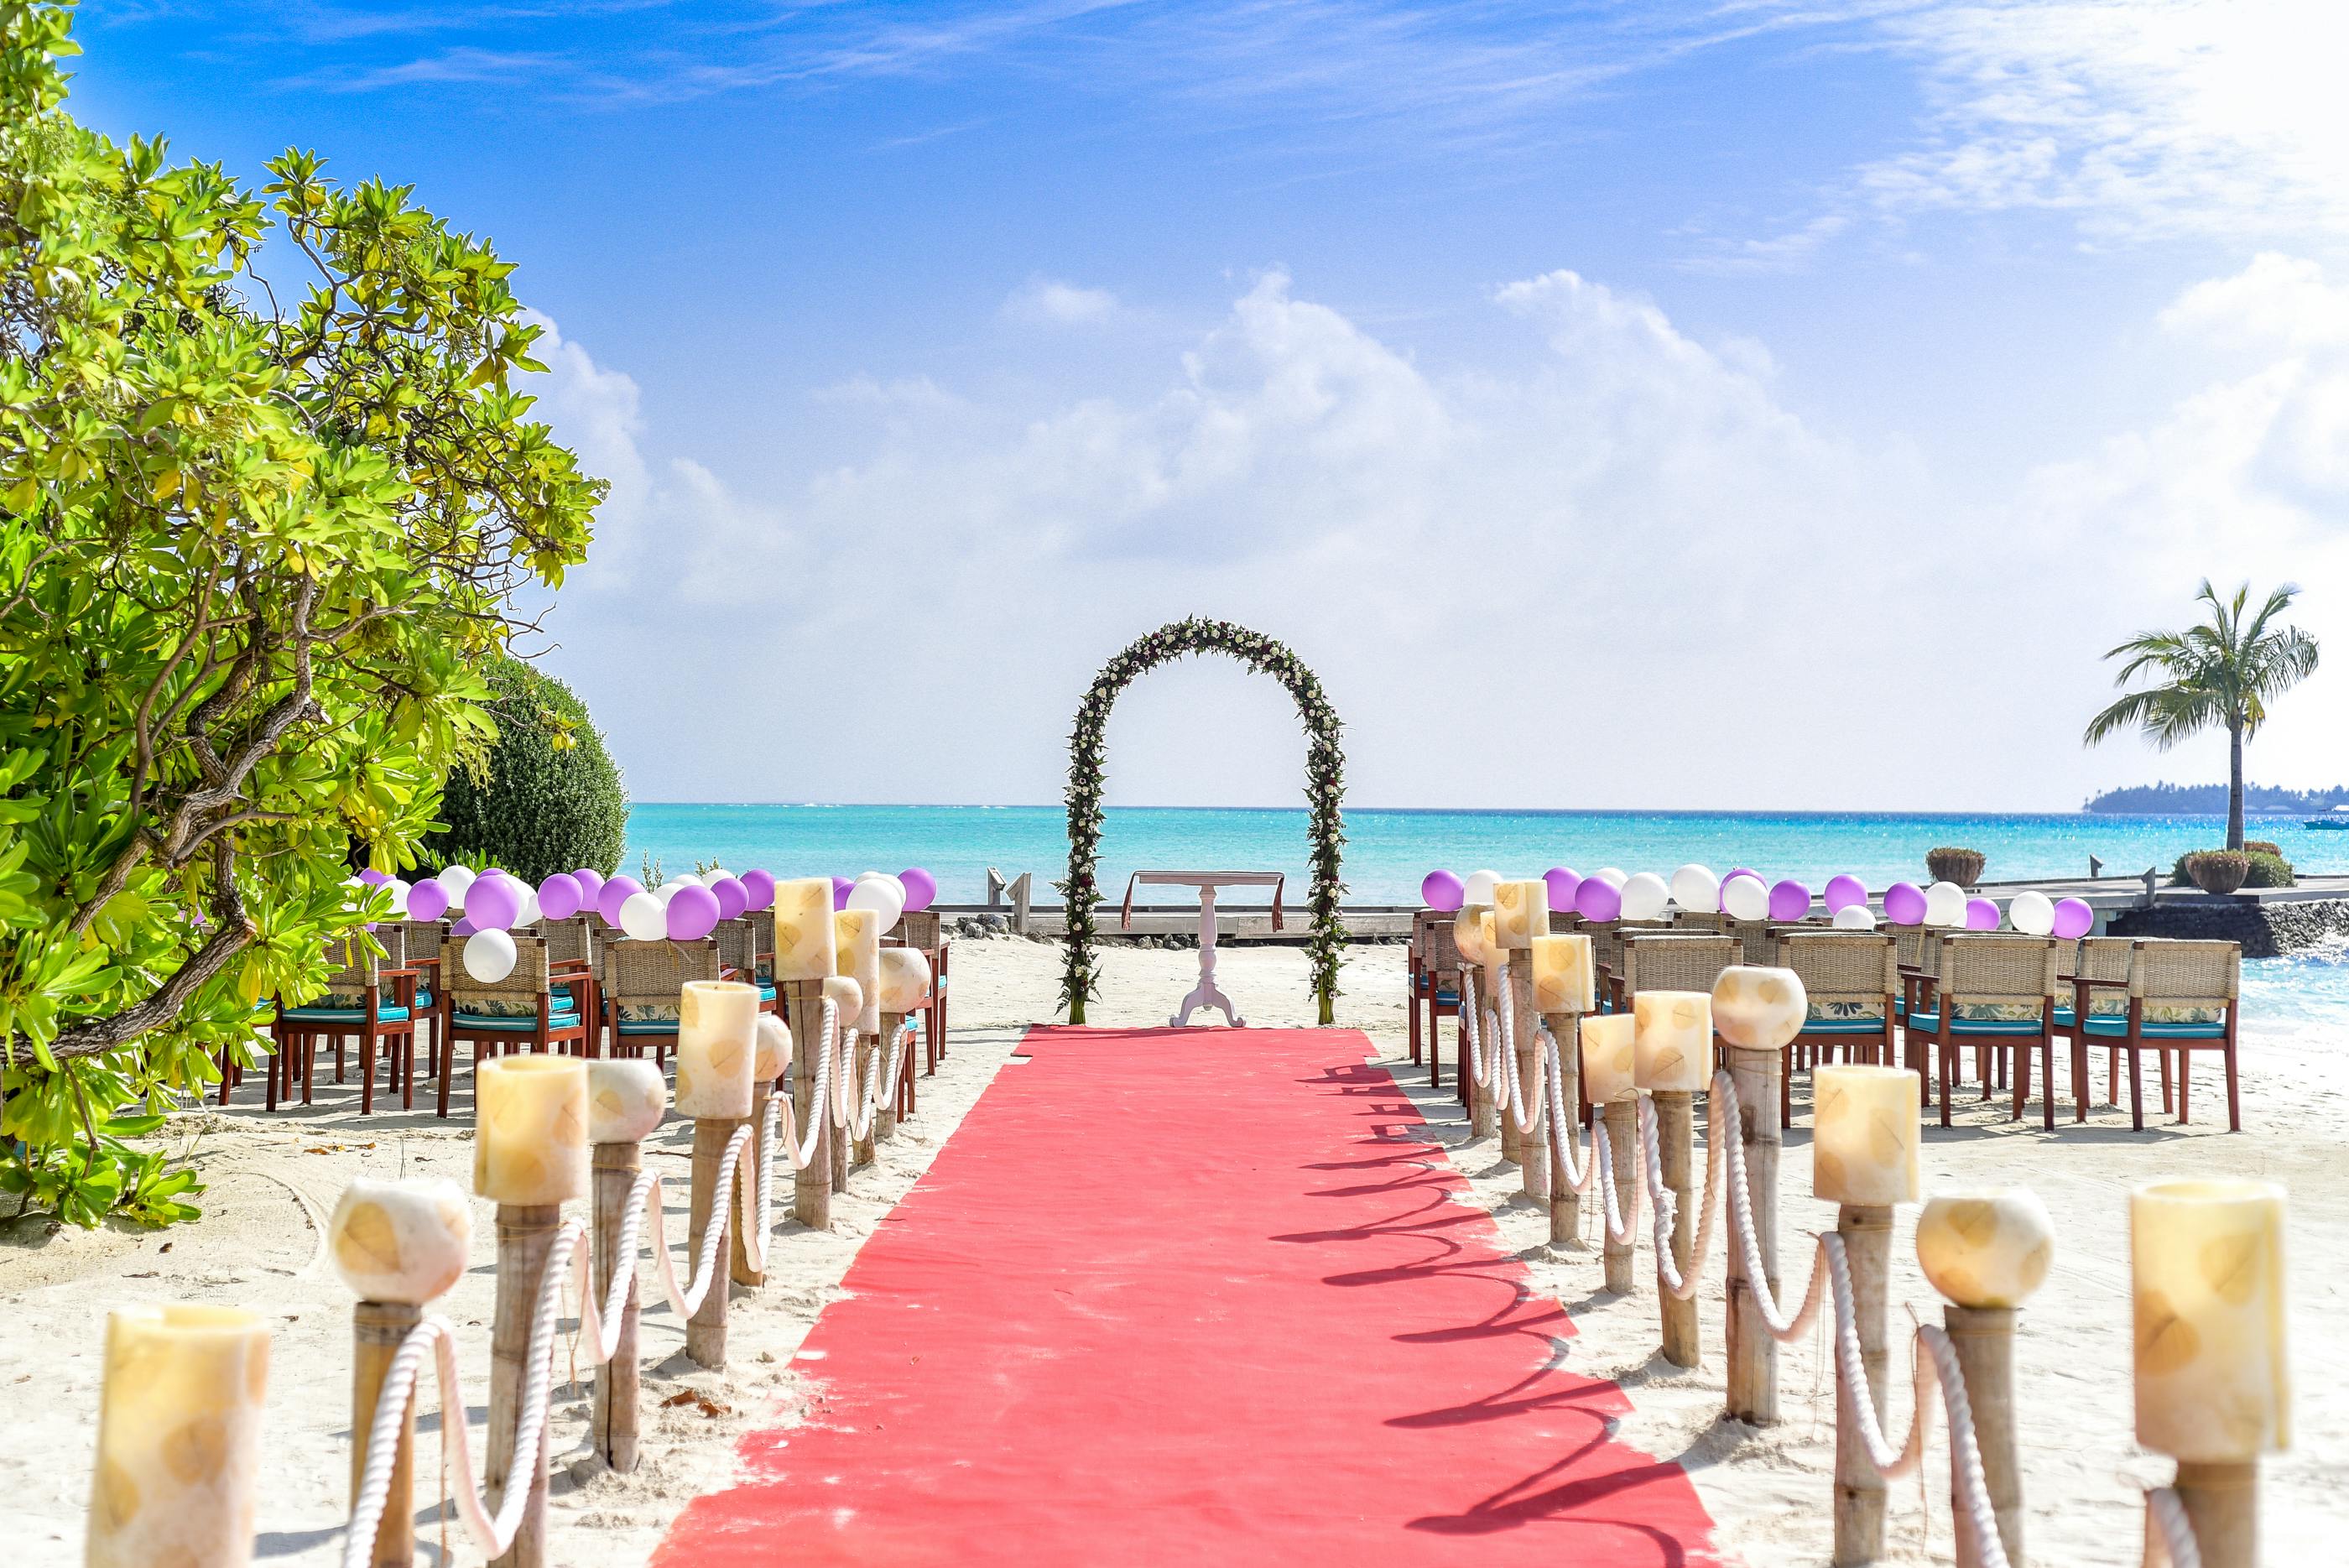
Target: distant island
x=2210, y=800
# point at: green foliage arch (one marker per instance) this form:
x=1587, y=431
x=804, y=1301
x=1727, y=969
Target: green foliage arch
x=1325, y=766
x=547, y=798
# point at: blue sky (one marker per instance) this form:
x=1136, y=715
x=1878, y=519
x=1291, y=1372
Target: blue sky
x=1706, y=404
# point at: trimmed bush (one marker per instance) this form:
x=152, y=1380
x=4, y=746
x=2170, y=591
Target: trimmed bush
x=548, y=797
x=2261, y=846
x=2218, y=870
x=1964, y=867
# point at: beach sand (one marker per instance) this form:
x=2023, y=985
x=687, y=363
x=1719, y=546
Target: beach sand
x=274, y=1181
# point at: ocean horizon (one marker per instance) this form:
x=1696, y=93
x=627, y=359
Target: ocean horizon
x=1390, y=849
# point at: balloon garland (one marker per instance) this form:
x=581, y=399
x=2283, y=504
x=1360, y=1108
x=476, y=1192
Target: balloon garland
x=1324, y=787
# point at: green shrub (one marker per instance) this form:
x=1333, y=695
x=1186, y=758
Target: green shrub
x=547, y=798
x=2261, y=846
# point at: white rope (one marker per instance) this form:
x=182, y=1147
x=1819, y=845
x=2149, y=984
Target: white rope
x=2175, y=1530
x=1564, y=1138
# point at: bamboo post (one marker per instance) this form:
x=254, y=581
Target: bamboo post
x=1984, y=1339
x=1675, y=1139
x=1483, y=1117
x=525, y=1236
x=868, y=1059
x=836, y=1140
x=376, y=1330
x=1860, y=1491
x=614, y=1169
x=2223, y=1502
x=1565, y=1202
x=1622, y=1119
x=746, y=1216
x=811, y=1185
x=705, y=1332
x=884, y=1120
x=1752, y=1354
x=1533, y=1143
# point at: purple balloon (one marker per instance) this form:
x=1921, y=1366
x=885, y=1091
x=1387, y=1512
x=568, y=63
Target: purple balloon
x=428, y=900
x=841, y=886
x=1442, y=891
x=761, y=886
x=1789, y=900
x=560, y=896
x=1563, y=885
x=2074, y=919
x=614, y=894
x=462, y=930
x=1982, y=915
x=491, y=903
x=1741, y=871
x=921, y=887
x=692, y=913
x=1904, y=904
x=1594, y=900
x=732, y=897
x=1845, y=891
x=591, y=886
x=373, y=877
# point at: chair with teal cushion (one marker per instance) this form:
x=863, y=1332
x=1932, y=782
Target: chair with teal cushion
x=1976, y=978
x=1432, y=987
x=532, y=1005
x=2183, y=996
x=1852, y=980
x=641, y=984
x=355, y=1004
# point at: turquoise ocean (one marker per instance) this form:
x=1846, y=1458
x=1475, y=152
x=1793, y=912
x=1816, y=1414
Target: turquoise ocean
x=1387, y=853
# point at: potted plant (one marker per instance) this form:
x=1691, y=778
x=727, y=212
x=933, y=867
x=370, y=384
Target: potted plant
x=1964, y=867
x=2218, y=870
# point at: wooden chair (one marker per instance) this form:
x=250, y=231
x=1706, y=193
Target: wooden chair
x=925, y=930
x=422, y=939
x=1759, y=939
x=737, y=958
x=1666, y=960
x=1435, y=991
x=643, y=986
x=1999, y=993
x=355, y=1004
x=532, y=1005
x=2097, y=982
x=2183, y=996
x=1853, y=980
x=571, y=948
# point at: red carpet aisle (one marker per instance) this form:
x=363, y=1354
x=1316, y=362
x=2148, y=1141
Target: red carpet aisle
x=1194, y=1299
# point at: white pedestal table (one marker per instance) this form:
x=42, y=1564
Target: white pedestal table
x=1205, y=993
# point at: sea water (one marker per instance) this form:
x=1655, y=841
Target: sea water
x=1388, y=852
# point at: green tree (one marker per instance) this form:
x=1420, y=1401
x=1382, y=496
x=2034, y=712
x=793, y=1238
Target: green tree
x=547, y=798
x=2222, y=673
x=258, y=532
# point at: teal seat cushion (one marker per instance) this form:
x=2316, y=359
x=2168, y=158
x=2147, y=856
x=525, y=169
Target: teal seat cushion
x=2064, y=1016
x=560, y=1018
x=1931, y=1023
x=648, y=1027
x=766, y=991
x=1448, y=997
x=2105, y=1027
x=1843, y=1026
x=423, y=1002
x=385, y=1013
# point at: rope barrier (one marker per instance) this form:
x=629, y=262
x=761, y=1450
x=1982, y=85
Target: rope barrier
x=567, y=1264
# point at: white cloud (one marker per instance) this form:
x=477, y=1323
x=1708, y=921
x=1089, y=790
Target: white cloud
x=1048, y=301
x=1677, y=590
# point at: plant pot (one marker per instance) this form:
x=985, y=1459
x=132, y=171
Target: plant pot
x=1964, y=867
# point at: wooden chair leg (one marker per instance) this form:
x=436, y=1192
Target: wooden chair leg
x=2022, y=1091
x=2184, y=1065
x=2161, y=1054
x=366, y=1072
x=2047, y=1081
x=2234, y=1093
x=1413, y=1009
x=1949, y=1055
x=2079, y=1079
x=2136, y=1090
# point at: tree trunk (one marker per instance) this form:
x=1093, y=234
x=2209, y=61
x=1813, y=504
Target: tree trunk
x=2235, y=787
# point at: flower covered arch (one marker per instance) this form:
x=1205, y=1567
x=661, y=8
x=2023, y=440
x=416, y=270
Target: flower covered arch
x=1324, y=786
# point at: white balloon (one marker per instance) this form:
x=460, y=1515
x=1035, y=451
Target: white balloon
x=683, y=879
x=645, y=917
x=1855, y=918
x=665, y=892
x=531, y=913
x=400, y=892
x=1644, y=897
x=892, y=879
x=1745, y=898
x=882, y=897
x=489, y=956
x=1945, y=905
x=1611, y=877
x=715, y=875
x=1695, y=887
x=1479, y=886
x=456, y=878
x=2033, y=914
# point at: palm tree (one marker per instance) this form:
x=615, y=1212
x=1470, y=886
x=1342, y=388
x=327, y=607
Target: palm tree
x=2224, y=671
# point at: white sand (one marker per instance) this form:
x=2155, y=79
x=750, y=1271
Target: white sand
x=273, y=1179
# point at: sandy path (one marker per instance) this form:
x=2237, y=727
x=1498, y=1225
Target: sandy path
x=273, y=1179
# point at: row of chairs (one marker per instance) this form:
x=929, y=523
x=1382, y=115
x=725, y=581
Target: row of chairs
x=571, y=989
x=1919, y=996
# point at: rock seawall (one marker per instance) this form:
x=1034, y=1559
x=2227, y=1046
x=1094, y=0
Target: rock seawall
x=2267, y=929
